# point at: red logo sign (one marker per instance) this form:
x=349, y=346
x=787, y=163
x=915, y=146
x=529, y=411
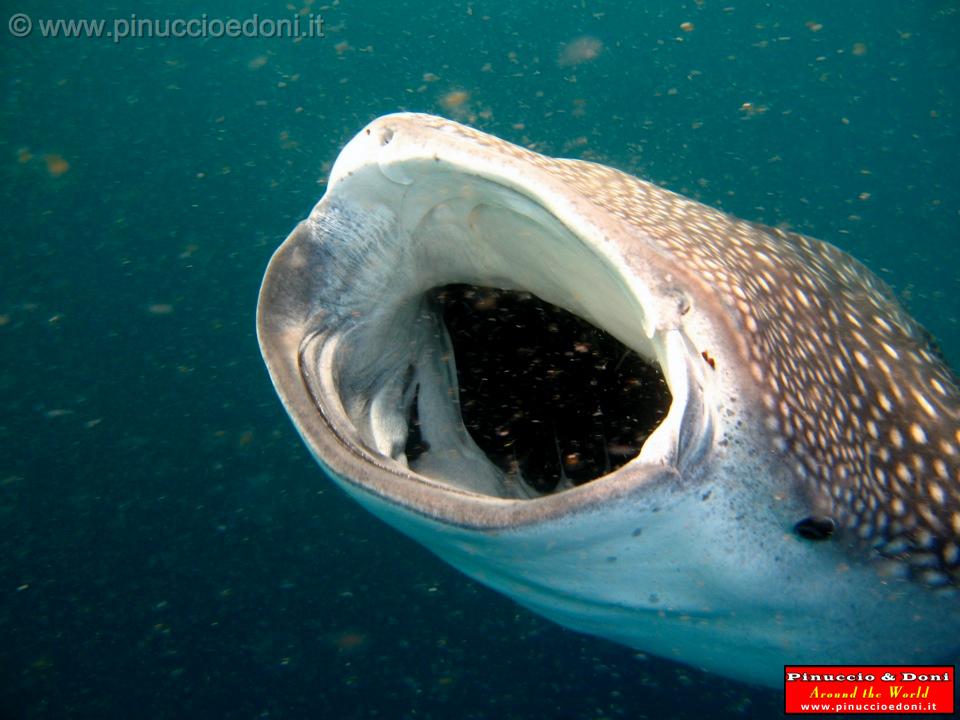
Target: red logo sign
x=869, y=689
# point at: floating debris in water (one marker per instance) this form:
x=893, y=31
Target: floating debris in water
x=56, y=165
x=580, y=50
x=350, y=641
x=57, y=413
x=455, y=99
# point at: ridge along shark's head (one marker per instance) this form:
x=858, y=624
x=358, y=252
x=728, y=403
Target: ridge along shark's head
x=763, y=468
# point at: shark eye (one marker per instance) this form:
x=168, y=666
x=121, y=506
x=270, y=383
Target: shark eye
x=815, y=528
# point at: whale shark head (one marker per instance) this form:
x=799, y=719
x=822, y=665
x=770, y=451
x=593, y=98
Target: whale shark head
x=711, y=440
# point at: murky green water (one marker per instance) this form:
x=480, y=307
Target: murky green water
x=168, y=549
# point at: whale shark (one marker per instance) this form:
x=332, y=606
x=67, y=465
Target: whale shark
x=717, y=442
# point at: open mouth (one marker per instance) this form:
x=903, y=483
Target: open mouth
x=485, y=389
x=551, y=400
x=431, y=324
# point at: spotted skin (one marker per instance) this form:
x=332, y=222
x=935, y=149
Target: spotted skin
x=856, y=400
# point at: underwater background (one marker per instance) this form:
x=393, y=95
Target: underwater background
x=167, y=547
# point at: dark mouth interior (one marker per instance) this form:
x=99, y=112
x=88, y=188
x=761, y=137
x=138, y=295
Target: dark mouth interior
x=542, y=391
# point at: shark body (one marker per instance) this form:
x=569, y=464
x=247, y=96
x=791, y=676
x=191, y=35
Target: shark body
x=799, y=501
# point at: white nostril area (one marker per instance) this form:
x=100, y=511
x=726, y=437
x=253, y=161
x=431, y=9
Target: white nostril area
x=387, y=159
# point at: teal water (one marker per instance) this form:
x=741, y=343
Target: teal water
x=168, y=549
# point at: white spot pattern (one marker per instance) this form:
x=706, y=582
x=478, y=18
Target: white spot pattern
x=854, y=395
